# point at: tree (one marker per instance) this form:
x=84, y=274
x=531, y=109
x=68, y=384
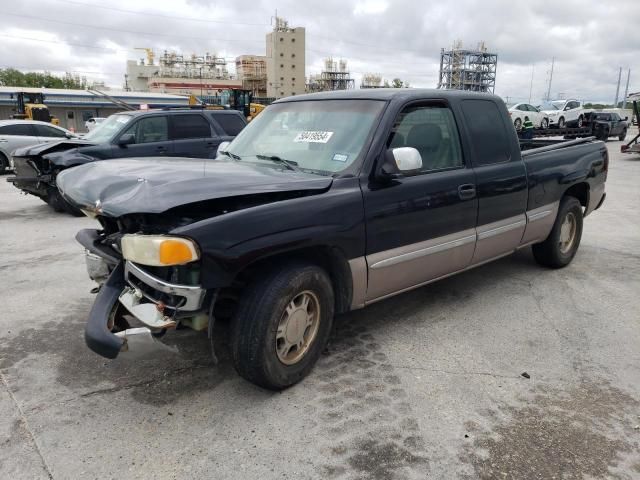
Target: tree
x=11, y=77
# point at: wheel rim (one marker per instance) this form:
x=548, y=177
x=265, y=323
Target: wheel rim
x=517, y=124
x=545, y=123
x=580, y=122
x=561, y=123
x=298, y=327
x=568, y=231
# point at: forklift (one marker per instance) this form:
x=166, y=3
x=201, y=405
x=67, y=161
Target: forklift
x=232, y=99
x=634, y=145
x=30, y=106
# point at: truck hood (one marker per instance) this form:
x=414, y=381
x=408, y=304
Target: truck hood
x=49, y=147
x=155, y=185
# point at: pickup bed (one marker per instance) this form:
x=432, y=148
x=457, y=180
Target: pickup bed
x=323, y=204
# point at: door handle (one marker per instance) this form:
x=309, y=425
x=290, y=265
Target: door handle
x=467, y=191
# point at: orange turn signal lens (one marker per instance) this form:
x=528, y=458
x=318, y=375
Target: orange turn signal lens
x=175, y=252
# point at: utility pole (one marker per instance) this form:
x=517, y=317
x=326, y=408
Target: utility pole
x=553, y=61
x=531, y=84
x=615, y=104
x=626, y=90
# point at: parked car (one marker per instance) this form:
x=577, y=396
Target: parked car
x=22, y=133
x=518, y=111
x=564, y=113
x=93, y=122
x=171, y=133
x=325, y=203
x=605, y=125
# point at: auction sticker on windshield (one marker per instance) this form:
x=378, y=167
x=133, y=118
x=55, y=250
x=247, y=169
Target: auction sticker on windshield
x=313, y=137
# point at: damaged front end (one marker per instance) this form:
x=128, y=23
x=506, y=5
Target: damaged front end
x=157, y=292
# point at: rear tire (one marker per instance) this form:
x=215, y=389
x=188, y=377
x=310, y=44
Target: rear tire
x=272, y=345
x=623, y=135
x=561, y=245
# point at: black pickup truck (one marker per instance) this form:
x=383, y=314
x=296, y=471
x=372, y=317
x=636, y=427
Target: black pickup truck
x=142, y=133
x=323, y=204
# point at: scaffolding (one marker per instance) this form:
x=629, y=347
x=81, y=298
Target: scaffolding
x=473, y=70
x=208, y=66
x=335, y=76
x=371, y=80
x=252, y=71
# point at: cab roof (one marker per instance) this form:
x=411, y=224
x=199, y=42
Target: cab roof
x=388, y=94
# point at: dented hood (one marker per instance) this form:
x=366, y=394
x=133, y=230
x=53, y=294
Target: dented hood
x=48, y=147
x=154, y=185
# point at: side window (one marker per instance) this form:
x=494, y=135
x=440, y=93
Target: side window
x=23, y=130
x=432, y=131
x=487, y=131
x=231, y=124
x=189, y=126
x=46, y=131
x=150, y=129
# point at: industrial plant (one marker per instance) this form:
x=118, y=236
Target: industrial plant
x=464, y=69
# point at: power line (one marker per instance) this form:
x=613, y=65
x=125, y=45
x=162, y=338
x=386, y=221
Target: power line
x=152, y=34
x=172, y=17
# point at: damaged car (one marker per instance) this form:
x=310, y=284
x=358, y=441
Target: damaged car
x=144, y=133
x=324, y=204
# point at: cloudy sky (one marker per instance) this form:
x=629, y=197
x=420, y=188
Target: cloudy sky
x=590, y=39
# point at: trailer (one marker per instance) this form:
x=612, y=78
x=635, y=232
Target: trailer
x=633, y=146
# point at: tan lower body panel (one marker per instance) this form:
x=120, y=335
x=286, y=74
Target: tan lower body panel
x=387, y=273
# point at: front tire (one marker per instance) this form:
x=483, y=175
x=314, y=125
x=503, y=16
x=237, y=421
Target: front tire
x=544, y=124
x=561, y=123
x=4, y=163
x=623, y=135
x=282, y=324
x=580, y=121
x=518, y=124
x=561, y=245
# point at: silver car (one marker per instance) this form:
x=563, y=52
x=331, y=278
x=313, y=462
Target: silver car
x=23, y=133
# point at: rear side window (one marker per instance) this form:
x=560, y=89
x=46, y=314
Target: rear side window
x=231, y=124
x=487, y=131
x=46, y=131
x=21, y=129
x=149, y=130
x=189, y=126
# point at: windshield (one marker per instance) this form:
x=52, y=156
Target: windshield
x=547, y=106
x=602, y=116
x=324, y=136
x=103, y=132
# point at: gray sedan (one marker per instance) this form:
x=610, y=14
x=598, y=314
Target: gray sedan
x=23, y=133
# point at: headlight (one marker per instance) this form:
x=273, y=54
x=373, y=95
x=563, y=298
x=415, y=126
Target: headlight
x=159, y=250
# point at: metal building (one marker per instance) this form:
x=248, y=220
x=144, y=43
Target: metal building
x=473, y=70
x=335, y=76
x=252, y=72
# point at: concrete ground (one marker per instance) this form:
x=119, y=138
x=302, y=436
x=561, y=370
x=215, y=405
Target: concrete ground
x=428, y=384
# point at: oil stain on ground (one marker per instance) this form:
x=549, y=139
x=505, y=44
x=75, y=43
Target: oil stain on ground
x=187, y=366
x=586, y=431
x=364, y=420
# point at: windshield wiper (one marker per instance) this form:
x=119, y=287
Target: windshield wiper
x=290, y=164
x=230, y=155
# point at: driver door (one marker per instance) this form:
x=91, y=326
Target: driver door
x=421, y=226
x=151, y=136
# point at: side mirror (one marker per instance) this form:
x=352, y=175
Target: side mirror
x=400, y=160
x=126, y=139
x=222, y=147
x=626, y=118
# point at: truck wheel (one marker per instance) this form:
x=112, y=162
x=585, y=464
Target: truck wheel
x=623, y=135
x=561, y=245
x=561, y=122
x=4, y=163
x=282, y=324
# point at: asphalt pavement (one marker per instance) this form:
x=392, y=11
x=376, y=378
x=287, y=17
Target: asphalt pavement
x=429, y=384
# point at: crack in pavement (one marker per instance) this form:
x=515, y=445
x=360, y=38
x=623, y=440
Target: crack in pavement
x=451, y=372
x=24, y=421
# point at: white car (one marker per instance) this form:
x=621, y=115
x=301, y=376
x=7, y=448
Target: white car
x=93, y=122
x=518, y=111
x=565, y=113
x=23, y=133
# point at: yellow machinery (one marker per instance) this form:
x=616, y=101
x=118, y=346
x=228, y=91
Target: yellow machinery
x=30, y=106
x=231, y=98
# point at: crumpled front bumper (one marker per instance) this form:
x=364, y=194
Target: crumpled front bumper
x=29, y=178
x=127, y=285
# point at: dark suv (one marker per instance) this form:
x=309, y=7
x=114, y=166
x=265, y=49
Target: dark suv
x=171, y=133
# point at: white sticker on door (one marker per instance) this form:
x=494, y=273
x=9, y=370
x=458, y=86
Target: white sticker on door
x=313, y=137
